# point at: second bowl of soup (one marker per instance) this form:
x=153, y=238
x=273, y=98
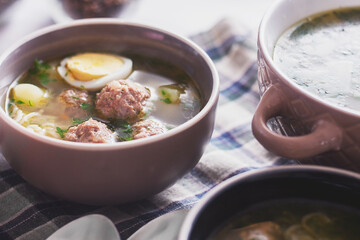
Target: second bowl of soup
x=308, y=77
x=279, y=203
x=105, y=112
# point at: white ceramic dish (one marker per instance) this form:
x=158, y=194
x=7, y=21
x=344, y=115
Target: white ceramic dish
x=93, y=226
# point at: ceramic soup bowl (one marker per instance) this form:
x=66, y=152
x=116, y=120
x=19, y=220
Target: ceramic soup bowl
x=107, y=173
x=291, y=121
x=235, y=203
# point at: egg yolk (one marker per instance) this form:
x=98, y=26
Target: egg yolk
x=89, y=66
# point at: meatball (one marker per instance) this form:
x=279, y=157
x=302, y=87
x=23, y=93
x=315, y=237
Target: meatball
x=146, y=128
x=121, y=99
x=77, y=102
x=91, y=131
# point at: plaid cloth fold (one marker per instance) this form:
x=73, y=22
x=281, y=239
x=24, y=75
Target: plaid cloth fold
x=27, y=213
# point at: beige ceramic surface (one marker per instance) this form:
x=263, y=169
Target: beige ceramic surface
x=107, y=173
x=290, y=121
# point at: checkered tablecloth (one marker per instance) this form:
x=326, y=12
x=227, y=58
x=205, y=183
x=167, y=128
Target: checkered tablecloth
x=27, y=213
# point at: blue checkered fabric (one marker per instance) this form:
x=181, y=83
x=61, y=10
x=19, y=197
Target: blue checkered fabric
x=27, y=213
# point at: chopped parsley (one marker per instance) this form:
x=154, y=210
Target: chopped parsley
x=40, y=70
x=79, y=120
x=10, y=108
x=20, y=102
x=30, y=103
x=86, y=107
x=61, y=132
x=76, y=98
x=168, y=127
x=123, y=130
x=44, y=78
x=39, y=67
x=166, y=100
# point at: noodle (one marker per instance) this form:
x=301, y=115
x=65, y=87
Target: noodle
x=31, y=121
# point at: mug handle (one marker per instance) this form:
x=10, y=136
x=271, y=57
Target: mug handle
x=323, y=137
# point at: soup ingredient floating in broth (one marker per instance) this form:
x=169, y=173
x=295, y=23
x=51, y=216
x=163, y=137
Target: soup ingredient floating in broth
x=29, y=94
x=322, y=55
x=91, y=131
x=293, y=219
x=170, y=93
x=151, y=100
x=147, y=128
x=77, y=103
x=121, y=99
x=262, y=230
x=92, y=71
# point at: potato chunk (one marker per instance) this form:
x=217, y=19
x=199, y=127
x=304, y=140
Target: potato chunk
x=170, y=93
x=28, y=94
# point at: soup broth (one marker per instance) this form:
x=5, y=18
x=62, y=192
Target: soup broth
x=169, y=97
x=293, y=219
x=322, y=54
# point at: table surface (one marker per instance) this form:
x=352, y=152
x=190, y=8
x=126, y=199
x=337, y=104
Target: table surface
x=26, y=213
x=184, y=17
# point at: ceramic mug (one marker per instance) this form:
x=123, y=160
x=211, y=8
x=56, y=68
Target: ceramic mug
x=308, y=127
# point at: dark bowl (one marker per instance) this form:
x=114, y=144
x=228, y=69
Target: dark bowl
x=68, y=10
x=247, y=190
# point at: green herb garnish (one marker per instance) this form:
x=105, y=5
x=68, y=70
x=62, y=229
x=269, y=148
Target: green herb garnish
x=61, y=132
x=30, y=104
x=44, y=78
x=39, y=67
x=20, y=102
x=86, y=106
x=166, y=100
x=40, y=70
x=123, y=130
x=79, y=120
x=168, y=127
x=10, y=108
x=76, y=98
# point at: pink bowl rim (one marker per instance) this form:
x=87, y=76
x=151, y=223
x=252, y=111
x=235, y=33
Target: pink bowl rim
x=210, y=104
x=264, y=24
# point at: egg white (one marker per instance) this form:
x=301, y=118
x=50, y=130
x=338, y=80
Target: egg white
x=98, y=83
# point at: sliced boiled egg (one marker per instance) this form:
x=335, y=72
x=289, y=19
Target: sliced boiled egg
x=92, y=71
